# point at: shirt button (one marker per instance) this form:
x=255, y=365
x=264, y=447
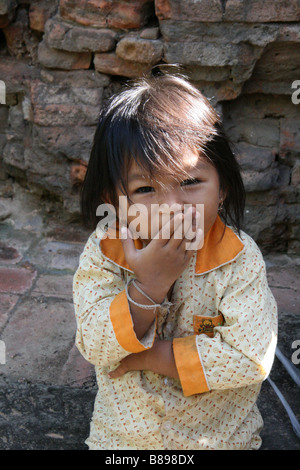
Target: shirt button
x=168, y=381
x=167, y=425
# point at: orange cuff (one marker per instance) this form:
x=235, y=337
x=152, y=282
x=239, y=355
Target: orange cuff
x=189, y=366
x=122, y=324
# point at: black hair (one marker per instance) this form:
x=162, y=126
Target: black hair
x=150, y=122
x=220, y=153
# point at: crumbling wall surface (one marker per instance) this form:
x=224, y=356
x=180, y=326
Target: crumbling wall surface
x=61, y=59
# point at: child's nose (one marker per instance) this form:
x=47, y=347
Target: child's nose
x=173, y=197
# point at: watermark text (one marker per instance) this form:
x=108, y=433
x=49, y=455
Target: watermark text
x=2, y=352
x=296, y=354
x=296, y=93
x=2, y=92
x=159, y=221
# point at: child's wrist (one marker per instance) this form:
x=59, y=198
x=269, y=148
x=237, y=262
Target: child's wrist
x=157, y=293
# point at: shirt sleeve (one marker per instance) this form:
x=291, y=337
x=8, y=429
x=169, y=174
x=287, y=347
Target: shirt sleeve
x=241, y=351
x=105, y=332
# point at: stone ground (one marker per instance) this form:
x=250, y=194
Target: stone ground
x=46, y=389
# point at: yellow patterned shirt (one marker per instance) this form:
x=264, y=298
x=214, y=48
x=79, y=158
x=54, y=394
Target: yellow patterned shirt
x=223, y=323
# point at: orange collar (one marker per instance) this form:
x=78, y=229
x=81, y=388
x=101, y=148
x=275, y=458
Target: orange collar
x=216, y=250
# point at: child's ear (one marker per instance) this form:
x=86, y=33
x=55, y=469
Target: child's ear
x=222, y=195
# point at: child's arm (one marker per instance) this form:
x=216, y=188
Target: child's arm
x=159, y=359
x=108, y=327
x=241, y=352
x=105, y=333
x=156, y=267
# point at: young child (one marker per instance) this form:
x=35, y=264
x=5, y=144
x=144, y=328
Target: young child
x=181, y=338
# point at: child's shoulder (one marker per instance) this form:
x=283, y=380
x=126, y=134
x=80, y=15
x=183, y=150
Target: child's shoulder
x=93, y=256
x=251, y=253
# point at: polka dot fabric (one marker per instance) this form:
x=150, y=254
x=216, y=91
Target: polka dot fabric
x=142, y=410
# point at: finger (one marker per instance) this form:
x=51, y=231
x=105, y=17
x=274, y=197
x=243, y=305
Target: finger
x=128, y=244
x=191, y=247
x=196, y=243
x=170, y=228
x=118, y=372
x=191, y=227
x=183, y=230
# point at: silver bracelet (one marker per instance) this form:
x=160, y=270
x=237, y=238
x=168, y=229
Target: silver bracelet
x=165, y=303
x=141, y=291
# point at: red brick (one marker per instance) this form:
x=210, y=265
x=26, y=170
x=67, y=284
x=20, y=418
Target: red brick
x=121, y=15
x=289, y=135
x=77, y=173
x=110, y=63
x=258, y=11
x=163, y=9
x=130, y=15
x=59, y=35
x=7, y=303
x=39, y=13
x=54, y=105
x=56, y=59
x=140, y=50
x=8, y=254
x=189, y=10
x=16, y=280
x=16, y=35
x=17, y=74
x=85, y=12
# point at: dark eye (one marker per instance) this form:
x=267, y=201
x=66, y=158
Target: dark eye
x=190, y=182
x=145, y=189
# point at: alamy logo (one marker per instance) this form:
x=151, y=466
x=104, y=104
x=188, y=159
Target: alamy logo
x=296, y=94
x=2, y=92
x=296, y=354
x=154, y=221
x=2, y=353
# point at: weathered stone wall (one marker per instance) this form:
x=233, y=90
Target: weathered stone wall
x=61, y=59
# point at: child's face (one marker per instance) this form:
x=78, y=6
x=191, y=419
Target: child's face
x=202, y=187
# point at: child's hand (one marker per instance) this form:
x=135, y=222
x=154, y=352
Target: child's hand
x=161, y=262
x=159, y=359
x=136, y=361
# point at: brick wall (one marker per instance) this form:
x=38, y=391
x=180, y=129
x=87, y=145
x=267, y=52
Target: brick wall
x=61, y=59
